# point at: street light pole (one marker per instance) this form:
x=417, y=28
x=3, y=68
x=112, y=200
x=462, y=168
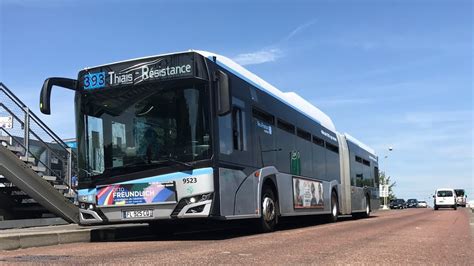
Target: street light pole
x=385, y=207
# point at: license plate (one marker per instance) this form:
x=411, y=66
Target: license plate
x=137, y=214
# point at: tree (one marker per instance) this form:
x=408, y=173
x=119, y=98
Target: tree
x=382, y=179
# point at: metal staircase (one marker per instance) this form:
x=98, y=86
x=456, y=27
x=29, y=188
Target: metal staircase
x=36, y=166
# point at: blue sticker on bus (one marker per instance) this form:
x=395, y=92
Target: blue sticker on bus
x=94, y=80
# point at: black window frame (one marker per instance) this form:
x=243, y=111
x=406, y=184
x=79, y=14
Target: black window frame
x=318, y=141
x=332, y=147
x=285, y=126
x=237, y=128
x=263, y=116
x=303, y=134
x=366, y=162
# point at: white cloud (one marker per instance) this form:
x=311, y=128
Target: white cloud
x=259, y=57
x=273, y=52
x=299, y=29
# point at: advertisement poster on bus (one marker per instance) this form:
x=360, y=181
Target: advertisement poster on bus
x=141, y=193
x=307, y=194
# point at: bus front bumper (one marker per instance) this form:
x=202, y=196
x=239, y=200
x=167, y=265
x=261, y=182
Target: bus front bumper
x=146, y=213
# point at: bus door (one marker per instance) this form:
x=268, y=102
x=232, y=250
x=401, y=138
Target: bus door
x=235, y=157
x=357, y=190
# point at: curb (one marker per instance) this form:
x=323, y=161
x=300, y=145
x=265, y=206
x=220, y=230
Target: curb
x=64, y=234
x=27, y=240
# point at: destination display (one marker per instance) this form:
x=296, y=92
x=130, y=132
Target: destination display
x=140, y=193
x=137, y=72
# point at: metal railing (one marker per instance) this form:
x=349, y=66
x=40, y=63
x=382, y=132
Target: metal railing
x=35, y=139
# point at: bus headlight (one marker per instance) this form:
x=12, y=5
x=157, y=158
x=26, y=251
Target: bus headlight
x=190, y=200
x=197, y=198
x=87, y=206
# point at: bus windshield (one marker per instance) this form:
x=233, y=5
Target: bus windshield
x=132, y=127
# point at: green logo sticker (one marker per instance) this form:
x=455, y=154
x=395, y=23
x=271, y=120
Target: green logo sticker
x=190, y=190
x=295, y=163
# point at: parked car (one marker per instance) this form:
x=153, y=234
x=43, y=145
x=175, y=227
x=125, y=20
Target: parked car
x=422, y=204
x=412, y=203
x=461, y=197
x=398, y=204
x=444, y=198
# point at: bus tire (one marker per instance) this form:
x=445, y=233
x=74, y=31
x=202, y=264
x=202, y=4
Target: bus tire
x=269, y=209
x=366, y=213
x=334, y=208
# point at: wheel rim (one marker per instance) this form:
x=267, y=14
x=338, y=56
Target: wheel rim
x=268, y=209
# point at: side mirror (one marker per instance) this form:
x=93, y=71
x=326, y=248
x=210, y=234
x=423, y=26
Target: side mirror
x=45, y=96
x=224, y=97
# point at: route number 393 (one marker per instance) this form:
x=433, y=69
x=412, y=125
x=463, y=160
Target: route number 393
x=94, y=80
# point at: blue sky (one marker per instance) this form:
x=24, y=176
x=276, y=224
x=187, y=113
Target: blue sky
x=390, y=73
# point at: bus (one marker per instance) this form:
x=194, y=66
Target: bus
x=194, y=135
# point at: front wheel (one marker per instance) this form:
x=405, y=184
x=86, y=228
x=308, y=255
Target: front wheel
x=269, y=208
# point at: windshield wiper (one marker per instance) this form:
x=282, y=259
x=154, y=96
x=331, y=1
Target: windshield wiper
x=162, y=160
x=131, y=166
x=169, y=159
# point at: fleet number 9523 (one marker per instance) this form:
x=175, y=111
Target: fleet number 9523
x=190, y=180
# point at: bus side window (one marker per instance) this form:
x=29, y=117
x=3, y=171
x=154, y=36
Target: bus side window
x=237, y=129
x=376, y=176
x=225, y=134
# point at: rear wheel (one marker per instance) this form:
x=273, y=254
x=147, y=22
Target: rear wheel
x=269, y=207
x=367, y=208
x=334, y=208
x=365, y=213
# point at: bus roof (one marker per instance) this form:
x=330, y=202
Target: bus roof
x=290, y=98
x=360, y=144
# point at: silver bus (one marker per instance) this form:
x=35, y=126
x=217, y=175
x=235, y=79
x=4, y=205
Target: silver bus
x=195, y=135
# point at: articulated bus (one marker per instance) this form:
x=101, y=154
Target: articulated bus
x=195, y=135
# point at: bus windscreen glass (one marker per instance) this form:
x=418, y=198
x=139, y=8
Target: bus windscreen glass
x=144, y=125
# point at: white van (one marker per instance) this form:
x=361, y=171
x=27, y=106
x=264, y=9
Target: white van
x=445, y=198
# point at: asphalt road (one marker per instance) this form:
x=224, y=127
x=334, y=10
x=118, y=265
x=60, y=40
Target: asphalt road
x=414, y=236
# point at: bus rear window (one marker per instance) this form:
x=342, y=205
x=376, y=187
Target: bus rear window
x=445, y=193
